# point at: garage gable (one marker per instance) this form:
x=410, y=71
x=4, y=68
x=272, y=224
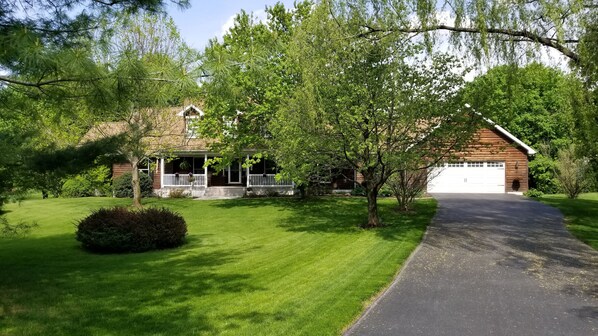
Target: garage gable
x=495, y=162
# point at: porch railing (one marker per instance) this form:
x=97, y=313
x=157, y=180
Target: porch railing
x=269, y=180
x=199, y=180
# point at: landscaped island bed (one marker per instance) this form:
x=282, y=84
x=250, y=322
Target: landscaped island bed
x=250, y=267
x=581, y=215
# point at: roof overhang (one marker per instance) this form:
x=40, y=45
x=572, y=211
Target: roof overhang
x=530, y=151
x=191, y=107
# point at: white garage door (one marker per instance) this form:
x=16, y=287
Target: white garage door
x=468, y=177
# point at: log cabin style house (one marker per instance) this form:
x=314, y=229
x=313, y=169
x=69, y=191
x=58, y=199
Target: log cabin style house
x=495, y=162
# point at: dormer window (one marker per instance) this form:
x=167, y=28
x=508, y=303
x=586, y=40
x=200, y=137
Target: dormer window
x=192, y=116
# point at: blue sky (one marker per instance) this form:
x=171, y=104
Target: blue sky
x=209, y=18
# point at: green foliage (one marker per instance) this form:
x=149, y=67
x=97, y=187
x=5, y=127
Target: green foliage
x=93, y=182
x=385, y=191
x=572, y=172
x=534, y=104
x=366, y=104
x=541, y=170
x=250, y=76
x=533, y=193
x=77, y=186
x=119, y=230
x=121, y=186
x=20, y=229
x=358, y=191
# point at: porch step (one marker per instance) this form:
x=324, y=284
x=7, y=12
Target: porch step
x=225, y=192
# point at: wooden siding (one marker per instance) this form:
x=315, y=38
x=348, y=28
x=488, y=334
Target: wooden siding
x=156, y=177
x=119, y=169
x=490, y=145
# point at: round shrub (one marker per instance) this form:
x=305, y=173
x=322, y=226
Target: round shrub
x=121, y=186
x=118, y=230
x=77, y=186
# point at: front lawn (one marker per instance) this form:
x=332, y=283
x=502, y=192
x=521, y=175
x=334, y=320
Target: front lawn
x=581, y=215
x=250, y=267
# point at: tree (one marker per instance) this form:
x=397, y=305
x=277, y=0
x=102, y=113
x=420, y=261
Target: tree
x=502, y=28
x=50, y=46
x=572, y=172
x=367, y=104
x=49, y=77
x=149, y=47
x=503, y=31
x=534, y=103
x=407, y=185
x=248, y=77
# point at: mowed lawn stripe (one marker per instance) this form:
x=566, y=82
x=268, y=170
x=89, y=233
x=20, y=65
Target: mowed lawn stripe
x=251, y=266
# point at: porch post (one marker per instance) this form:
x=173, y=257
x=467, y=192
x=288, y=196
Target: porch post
x=247, y=172
x=205, y=169
x=162, y=172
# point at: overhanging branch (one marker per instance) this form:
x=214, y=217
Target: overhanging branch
x=523, y=35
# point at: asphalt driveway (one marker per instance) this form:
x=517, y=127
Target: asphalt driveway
x=491, y=265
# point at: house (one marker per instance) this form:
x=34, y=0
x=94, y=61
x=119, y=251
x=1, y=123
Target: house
x=495, y=162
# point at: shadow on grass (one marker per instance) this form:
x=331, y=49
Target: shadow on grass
x=53, y=287
x=340, y=215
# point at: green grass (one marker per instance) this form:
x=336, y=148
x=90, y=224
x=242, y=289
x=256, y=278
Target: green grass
x=581, y=215
x=250, y=267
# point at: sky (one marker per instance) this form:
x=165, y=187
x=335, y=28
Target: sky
x=210, y=18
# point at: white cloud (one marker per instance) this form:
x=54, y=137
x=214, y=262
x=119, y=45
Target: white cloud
x=259, y=15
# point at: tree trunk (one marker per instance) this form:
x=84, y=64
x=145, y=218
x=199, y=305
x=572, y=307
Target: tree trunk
x=135, y=184
x=373, y=218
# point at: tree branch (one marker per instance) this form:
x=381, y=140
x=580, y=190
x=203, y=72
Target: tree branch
x=526, y=35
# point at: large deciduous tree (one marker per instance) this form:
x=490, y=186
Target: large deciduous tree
x=504, y=31
x=49, y=77
x=156, y=72
x=249, y=75
x=534, y=103
x=367, y=104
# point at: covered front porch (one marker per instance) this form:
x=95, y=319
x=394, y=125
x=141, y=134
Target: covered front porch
x=190, y=171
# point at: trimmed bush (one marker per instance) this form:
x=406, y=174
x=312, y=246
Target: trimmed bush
x=92, y=182
x=533, y=193
x=121, y=186
x=77, y=186
x=119, y=230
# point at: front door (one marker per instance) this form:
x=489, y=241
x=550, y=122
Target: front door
x=234, y=173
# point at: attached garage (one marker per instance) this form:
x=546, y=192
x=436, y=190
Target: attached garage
x=495, y=162
x=468, y=177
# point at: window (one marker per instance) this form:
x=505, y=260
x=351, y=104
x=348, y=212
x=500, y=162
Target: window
x=265, y=166
x=495, y=164
x=456, y=164
x=475, y=164
x=145, y=166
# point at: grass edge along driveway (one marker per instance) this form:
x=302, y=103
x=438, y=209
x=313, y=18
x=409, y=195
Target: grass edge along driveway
x=581, y=215
x=251, y=266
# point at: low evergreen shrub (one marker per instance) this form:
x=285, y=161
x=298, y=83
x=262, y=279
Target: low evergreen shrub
x=358, y=191
x=121, y=186
x=119, y=230
x=533, y=193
